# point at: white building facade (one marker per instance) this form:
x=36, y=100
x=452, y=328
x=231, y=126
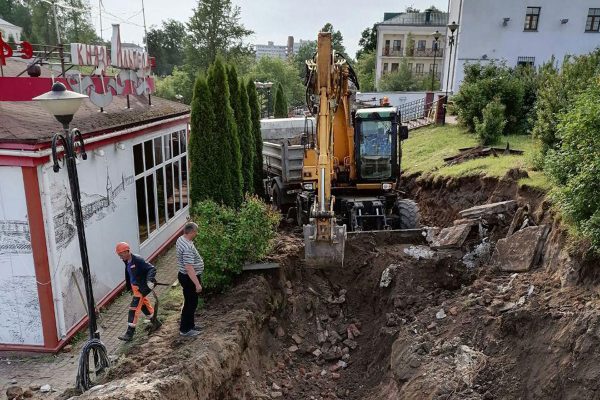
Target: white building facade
x=409, y=36
x=519, y=32
x=9, y=30
x=279, y=51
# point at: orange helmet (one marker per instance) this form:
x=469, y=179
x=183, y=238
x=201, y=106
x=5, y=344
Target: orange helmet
x=121, y=247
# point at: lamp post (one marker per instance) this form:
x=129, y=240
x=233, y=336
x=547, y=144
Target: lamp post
x=452, y=27
x=63, y=104
x=436, y=38
x=266, y=90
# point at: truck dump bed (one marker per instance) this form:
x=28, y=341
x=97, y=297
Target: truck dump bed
x=284, y=161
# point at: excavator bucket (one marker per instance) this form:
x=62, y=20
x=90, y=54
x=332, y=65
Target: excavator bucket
x=323, y=254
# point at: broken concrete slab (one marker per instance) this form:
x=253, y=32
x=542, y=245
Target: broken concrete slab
x=488, y=209
x=522, y=250
x=451, y=237
x=260, y=266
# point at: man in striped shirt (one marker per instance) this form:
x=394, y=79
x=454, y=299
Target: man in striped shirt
x=191, y=267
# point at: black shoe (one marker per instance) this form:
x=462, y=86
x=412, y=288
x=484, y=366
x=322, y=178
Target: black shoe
x=128, y=336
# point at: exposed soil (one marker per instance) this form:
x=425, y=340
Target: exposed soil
x=438, y=330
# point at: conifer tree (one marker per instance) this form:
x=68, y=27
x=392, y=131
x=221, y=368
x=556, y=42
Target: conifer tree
x=246, y=140
x=237, y=183
x=280, y=108
x=257, y=137
x=224, y=125
x=206, y=178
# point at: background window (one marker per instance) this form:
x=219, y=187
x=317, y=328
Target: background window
x=394, y=67
x=593, y=20
x=420, y=69
x=385, y=67
x=421, y=44
x=161, y=183
x=397, y=45
x=532, y=18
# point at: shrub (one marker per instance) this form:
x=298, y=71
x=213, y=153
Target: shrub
x=575, y=166
x=558, y=89
x=490, y=129
x=227, y=238
x=481, y=85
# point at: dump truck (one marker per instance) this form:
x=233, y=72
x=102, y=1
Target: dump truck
x=343, y=176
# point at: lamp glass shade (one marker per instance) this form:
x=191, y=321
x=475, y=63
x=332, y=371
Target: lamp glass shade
x=437, y=35
x=453, y=26
x=59, y=101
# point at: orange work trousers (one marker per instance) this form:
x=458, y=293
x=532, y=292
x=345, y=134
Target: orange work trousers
x=138, y=303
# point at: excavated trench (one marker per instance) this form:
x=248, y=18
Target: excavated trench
x=435, y=328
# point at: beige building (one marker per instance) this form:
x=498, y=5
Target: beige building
x=409, y=36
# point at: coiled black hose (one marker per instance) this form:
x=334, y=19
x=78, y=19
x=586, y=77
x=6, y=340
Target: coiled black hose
x=101, y=362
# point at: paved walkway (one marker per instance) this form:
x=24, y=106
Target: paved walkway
x=59, y=371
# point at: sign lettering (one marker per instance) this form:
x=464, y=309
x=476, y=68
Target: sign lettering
x=6, y=51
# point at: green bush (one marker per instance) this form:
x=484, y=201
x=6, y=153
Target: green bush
x=227, y=238
x=481, y=85
x=558, y=89
x=490, y=129
x=575, y=166
x=280, y=107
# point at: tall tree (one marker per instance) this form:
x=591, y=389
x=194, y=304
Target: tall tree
x=305, y=52
x=337, y=40
x=246, y=140
x=167, y=44
x=225, y=134
x=257, y=136
x=269, y=69
x=237, y=180
x=177, y=86
x=365, y=70
x=17, y=12
x=214, y=29
x=280, y=107
x=368, y=41
x=206, y=175
x=76, y=22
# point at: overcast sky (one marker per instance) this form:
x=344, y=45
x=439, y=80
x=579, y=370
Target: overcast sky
x=271, y=20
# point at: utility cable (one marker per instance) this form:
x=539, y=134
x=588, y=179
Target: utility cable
x=101, y=362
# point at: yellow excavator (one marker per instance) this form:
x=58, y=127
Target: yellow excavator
x=351, y=166
x=342, y=179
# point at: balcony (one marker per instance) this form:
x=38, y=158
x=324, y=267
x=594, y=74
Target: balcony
x=392, y=52
x=425, y=52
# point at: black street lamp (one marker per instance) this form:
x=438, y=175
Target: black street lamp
x=63, y=104
x=452, y=27
x=265, y=89
x=436, y=38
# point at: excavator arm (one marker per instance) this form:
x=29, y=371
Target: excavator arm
x=324, y=238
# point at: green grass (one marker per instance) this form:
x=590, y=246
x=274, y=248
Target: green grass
x=425, y=149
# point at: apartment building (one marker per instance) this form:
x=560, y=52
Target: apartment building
x=519, y=32
x=410, y=37
x=278, y=51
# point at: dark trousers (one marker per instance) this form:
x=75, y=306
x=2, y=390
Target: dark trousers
x=190, y=302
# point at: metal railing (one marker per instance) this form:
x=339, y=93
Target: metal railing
x=418, y=113
x=425, y=52
x=392, y=52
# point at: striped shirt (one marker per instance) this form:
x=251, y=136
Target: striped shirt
x=188, y=255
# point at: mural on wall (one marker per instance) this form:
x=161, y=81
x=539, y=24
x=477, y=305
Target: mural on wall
x=107, y=189
x=93, y=205
x=20, y=318
x=22, y=305
x=14, y=237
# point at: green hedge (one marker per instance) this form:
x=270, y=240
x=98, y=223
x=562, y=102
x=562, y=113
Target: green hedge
x=575, y=165
x=228, y=238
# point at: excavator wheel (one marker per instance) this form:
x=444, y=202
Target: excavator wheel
x=409, y=214
x=301, y=219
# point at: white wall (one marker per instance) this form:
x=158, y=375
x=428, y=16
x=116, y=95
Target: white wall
x=110, y=223
x=481, y=31
x=11, y=30
x=20, y=318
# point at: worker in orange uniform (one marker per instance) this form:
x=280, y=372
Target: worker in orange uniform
x=140, y=278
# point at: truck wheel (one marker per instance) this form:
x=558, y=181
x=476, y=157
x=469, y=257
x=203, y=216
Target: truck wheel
x=301, y=219
x=408, y=211
x=277, y=199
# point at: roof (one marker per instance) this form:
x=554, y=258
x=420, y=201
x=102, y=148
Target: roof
x=26, y=122
x=5, y=22
x=418, y=19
